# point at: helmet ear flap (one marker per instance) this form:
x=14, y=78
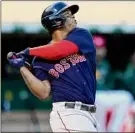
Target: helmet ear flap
x=54, y=22
x=57, y=21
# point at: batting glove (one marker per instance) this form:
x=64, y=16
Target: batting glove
x=17, y=63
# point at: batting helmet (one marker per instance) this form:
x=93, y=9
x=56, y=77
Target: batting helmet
x=52, y=18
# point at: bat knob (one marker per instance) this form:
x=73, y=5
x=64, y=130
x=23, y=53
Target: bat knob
x=11, y=55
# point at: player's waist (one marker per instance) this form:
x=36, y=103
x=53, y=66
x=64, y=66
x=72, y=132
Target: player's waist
x=74, y=105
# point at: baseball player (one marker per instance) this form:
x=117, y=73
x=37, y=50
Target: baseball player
x=65, y=68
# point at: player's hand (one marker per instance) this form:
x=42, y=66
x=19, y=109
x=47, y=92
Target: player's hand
x=17, y=60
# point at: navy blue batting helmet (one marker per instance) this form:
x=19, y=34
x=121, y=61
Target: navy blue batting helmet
x=52, y=19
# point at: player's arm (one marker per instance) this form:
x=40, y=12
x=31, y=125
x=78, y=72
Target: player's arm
x=40, y=89
x=54, y=51
x=81, y=40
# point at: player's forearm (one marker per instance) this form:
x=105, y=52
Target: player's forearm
x=37, y=87
x=54, y=51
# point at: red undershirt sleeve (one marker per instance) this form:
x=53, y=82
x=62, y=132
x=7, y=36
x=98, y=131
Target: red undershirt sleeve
x=55, y=51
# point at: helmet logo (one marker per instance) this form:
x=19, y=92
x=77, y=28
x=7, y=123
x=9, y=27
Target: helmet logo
x=55, y=10
x=57, y=23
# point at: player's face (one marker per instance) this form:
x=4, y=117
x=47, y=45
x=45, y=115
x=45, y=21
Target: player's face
x=70, y=19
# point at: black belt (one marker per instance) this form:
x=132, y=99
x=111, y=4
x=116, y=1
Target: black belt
x=84, y=107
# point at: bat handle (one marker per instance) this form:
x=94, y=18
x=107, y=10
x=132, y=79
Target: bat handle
x=11, y=55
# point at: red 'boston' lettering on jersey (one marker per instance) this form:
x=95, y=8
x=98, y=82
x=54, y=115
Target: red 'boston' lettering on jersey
x=59, y=68
x=82, y=58
x=76, y=58
x=65, y=64
x=54, y=73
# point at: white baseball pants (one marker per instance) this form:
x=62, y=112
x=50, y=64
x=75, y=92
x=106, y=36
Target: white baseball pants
x=71, y=120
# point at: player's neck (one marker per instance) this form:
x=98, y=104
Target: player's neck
x=61, y=34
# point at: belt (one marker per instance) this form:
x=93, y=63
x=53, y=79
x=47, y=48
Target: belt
x=81, y=106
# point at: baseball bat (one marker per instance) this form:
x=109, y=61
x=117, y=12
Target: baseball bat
x=11, y=55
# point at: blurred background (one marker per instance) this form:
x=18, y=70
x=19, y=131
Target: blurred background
x=112, y=25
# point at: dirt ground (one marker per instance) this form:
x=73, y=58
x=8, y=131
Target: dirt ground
x=25, y=122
